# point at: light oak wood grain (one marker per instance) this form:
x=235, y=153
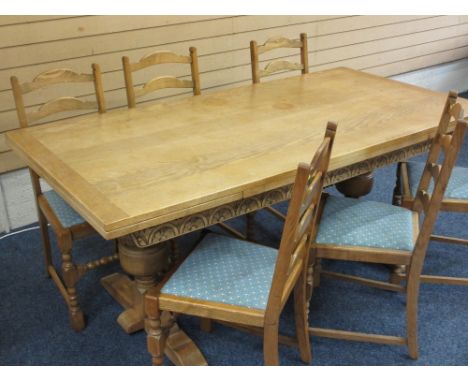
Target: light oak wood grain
x=337, y=40
x=221, y=63
x=69, y=272
x=290, y=273
x=131, y=169
x=160, y=82
x=275, y=43
x=61, y=104
x=280, y=65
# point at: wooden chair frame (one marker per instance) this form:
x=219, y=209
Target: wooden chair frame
x=162, y=82
x=66, y=278
x=278, y=65
x=414, y=260
x=403, y=196
x=62, y=104
x=290, y=274
x=273, y=67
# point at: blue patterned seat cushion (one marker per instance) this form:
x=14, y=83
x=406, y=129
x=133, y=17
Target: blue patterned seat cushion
x=457, y=187
x=361, y=223
x=67, y=216
x=226, y=270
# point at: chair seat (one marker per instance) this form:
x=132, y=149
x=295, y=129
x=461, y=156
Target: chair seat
x=225, y=270
x=457, y=187
x=67, y=216
x=360, y=223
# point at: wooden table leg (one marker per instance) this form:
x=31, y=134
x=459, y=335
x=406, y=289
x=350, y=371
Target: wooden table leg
x=356, y=187
x=146, y=265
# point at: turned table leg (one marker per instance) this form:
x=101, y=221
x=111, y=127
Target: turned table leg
x=146, y=265
x=356, y=187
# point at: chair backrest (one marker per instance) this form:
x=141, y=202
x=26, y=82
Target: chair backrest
x=452, y=111
x=278, y=65
x=161, y=82
x=61, y=104
x=299, y=228
x=445, y=148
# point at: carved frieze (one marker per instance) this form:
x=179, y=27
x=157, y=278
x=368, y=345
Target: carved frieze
x=197, y=221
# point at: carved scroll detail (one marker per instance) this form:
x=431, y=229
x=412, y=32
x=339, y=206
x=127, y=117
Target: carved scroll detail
x=178, y=227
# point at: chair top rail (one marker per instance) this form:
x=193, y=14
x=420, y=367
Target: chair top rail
x=55, y=76
x=278, y=42
x=160, y=57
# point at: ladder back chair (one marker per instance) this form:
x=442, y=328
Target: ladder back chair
x=455, y=197
x=66, y=223
x=165, y=82
x=161, y=82
x=249, y=283
x=374, y=232
x=273, y=67
x=278, y=65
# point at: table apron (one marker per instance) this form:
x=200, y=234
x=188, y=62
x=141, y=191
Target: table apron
x=169, y=230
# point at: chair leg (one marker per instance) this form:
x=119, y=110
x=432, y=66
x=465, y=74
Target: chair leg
x=206, y=325
x=36, y=186
x=316, y=273
x=45, y=240
x=270, y=345
x=156, y=334
x=250, y=231
x=412, y=296
x=175, y=251
x=397, y=274
x=70, y=277
x=302, y=319
x=397, y=196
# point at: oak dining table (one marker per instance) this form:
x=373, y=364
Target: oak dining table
x=163, y=169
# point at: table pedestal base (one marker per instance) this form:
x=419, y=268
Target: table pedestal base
x=144, y=264
x=356, y=187
x=121, y=288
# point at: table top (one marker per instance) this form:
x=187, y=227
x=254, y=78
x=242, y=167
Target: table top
x=131, y=169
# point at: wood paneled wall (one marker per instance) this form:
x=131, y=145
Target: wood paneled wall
x=383, y=45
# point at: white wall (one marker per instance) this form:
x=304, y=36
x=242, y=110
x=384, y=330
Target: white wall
x=17, y=207
x=4, y=221
x=16, y=198
x=451, y=76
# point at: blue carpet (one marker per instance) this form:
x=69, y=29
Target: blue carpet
x=34, y=326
